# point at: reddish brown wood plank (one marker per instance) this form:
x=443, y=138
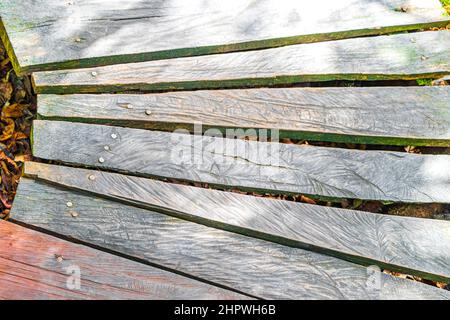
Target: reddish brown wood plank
x=34, y=265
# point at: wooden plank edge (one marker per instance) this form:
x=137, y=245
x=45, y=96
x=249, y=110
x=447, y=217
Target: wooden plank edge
x=234, y=47
x=41, y=87
x=301, y=135
x=30, y=171
x=10, y=49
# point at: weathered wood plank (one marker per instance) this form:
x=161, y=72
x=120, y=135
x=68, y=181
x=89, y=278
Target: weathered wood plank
x=408, y=245
x=386, y=115
x=402, y=56
x=262, y=269
x=37, y=266
x=98, y=32
x=285, y=168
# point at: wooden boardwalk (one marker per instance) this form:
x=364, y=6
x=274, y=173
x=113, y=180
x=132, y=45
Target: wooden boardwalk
x=154, y=150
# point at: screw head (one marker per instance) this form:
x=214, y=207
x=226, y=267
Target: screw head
x=94, y=73
x=59, y=258
x=69, y=204
x=125, y=105
x=101, y=160
x=77, y=39
x=91, y=177
x=148, y=112
x=423, y=57
x=107, y=148
x=113, y=135
x=74, y=214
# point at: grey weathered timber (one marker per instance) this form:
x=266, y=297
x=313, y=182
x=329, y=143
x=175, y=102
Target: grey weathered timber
x=384, y=115
x=34, y=266
x=256, y=267
x=409, y=245
x=268, y=166
x=48, y=34
x=402, y=56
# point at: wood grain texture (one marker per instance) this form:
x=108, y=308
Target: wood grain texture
x=285, y=168
x=262, y=269
x=402, y=56
x=37, y=266
x=386, y=115
x=48, y=34
x=408, y=245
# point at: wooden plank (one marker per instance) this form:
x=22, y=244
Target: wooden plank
x=98, y=32
x=256, y=267
x=38, y=266
x=250, y=165
x=385, y=115
x=408, y=245
x=402, y=56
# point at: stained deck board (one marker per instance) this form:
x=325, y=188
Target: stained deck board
x=381, y=115
x=256, y=267
x=408, y=245
x=267, y=166
x=401, y=56
x=30, y=269
x=96, y=32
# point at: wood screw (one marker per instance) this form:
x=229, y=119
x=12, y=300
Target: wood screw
x=113, y=135
x=101, y=160
x=148, y=112
x=91, y=177
x=94, y=73
x=69, y=204
x=74, y=214
x=125, y=105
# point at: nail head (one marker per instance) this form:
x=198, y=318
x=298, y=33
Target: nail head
x=74, y=214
